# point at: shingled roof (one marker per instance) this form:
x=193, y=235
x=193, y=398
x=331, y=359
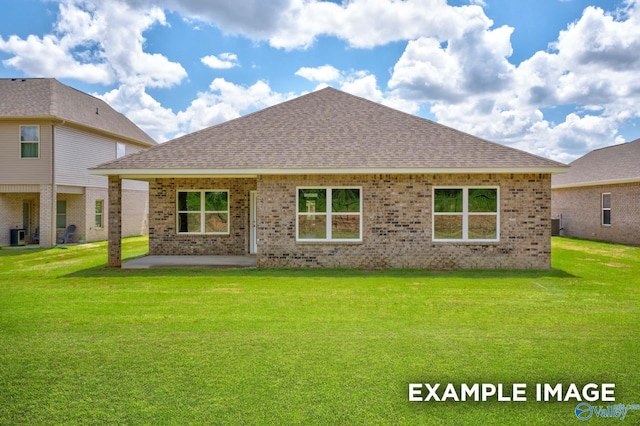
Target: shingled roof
x=47, y=98
x=327, y=131
x=613, y=164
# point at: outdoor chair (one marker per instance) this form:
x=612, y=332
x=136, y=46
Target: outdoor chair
x=68, y=236
x=35, y=237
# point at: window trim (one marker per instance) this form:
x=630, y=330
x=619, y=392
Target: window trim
x=30, y=142
x=465, y=214
x=202, y=212
x=329, y=214
x=101, y=214
x=124, y=149
x=58, y=214
x=603, y=209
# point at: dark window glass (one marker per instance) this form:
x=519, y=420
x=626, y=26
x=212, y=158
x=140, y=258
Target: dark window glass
x=448, y=201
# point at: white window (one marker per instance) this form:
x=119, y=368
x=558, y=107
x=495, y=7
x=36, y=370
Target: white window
x=61, y=214
x=466, y=214
x=99, y=213
x=29, y=141
x=203, y=212
x=121, y=149
x=329, y=214
x=606, y=209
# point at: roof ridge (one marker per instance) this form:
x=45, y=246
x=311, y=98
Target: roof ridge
x=53, y=105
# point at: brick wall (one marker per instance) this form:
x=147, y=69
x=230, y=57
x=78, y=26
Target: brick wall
x=75, y=215
x=163, y=239
x=11, y=214
x=581, y=210
x=135, y=211
x=397, y=224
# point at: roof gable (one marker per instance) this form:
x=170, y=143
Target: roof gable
x=613, y=164
x=329, y=130
x=47, y=97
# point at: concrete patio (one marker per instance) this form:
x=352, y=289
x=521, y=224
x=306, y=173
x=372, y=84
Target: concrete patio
x=146, y=262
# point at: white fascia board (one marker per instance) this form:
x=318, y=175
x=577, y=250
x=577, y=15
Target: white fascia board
x=238, y=173
x=596, y=183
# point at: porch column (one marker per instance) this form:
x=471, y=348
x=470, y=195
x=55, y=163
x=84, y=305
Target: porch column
x=115, y=222
x=47, y=222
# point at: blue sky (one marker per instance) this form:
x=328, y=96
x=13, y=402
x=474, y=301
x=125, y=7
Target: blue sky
x=555, y=78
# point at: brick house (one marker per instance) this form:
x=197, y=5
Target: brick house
x=50, y=134
x=599, y=198
x=333, y=180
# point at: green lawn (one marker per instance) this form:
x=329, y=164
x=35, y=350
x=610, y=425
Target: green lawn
x=81, y=344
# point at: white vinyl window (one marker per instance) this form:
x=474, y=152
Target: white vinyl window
x=466, y=214
x=203, y=212
x=29, y=141
x=99, y=213
x=606, y=209
x=121, y=149
x=329, y=214
x=61, y=214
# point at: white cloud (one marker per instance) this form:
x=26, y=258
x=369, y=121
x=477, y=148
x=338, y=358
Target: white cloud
x=323, y=74
x=292, y=24
x=222, y=61
x=224, y=101
x=592, y=69
x=369, y=23
x=96, y=43
x=46, y=57
x=133, y=101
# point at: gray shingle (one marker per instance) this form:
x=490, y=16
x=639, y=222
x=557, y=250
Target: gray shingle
x=48, y=98
x=613, y=163
x=328, y=129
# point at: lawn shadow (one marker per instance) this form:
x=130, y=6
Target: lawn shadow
x=104, y=271
x=10, y=252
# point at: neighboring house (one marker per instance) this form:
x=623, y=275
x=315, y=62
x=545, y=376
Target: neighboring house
x=599, y=198
x=333, y=180
x=49, y=135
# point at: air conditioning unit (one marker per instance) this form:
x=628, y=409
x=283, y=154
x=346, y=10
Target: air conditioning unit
x=17, y=237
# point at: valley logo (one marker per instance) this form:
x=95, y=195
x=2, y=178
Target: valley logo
x=584, y=411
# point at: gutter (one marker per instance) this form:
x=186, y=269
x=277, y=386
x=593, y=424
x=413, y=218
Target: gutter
x=596, y=183
x=158, y=172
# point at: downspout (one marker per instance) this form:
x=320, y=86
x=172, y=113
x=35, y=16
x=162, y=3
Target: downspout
x=54, y=195
x=54, y=189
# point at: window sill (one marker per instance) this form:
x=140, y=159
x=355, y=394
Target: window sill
x=188, y=234
x=330, y=242
x=466, y=242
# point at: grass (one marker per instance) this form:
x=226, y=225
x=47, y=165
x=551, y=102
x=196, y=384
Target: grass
x=82, y=344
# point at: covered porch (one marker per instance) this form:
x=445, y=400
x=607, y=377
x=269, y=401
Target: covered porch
x=201, y=221
x=150, y=262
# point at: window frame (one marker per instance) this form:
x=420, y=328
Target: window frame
x=603, y=209
x=203, y=211
x=99, y=214
x=119, y=146
x=465, y=215
x=329, y=215
x=60, y=215
x=37, y=142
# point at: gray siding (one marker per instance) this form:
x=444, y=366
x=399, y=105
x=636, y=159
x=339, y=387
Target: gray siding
x=76, y=151
x=13, y=169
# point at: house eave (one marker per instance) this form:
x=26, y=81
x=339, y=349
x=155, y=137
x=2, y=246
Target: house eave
x=73, y=124
x=143, y=174
x=597, y=183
